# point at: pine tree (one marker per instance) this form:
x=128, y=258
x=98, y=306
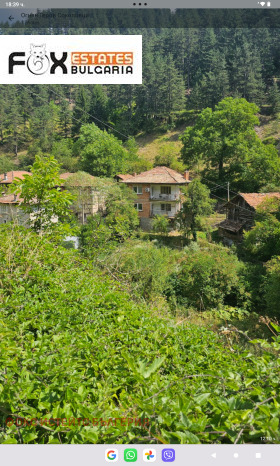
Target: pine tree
x=81, y=108
x=274, y=98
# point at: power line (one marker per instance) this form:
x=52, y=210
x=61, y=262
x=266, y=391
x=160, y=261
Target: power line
x=76, y=119
x=92, y=116
x=229, y=202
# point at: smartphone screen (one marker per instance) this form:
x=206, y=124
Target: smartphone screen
x=139, y=232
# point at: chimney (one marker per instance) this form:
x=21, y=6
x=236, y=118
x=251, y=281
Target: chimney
x=5, y=176
x=186, y=175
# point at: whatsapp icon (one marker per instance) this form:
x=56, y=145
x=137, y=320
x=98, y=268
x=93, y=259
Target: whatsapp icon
x=130, y=455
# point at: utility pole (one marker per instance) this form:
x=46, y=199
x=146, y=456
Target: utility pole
x=228, y=198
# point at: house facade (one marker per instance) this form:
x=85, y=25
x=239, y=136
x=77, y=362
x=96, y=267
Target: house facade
x=88, y=200
x=158, y=192
x=10, y=203
x=240, y=214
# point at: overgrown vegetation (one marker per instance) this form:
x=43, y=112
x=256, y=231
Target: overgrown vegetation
x=74, y=345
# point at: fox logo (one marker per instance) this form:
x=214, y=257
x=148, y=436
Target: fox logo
x=38, y=62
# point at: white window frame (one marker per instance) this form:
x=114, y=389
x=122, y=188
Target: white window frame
x=138, y=189
x=137, y=204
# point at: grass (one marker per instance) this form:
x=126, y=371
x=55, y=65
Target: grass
x=151, y=145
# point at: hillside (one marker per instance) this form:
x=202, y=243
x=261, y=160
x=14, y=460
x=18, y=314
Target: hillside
x=75, y=346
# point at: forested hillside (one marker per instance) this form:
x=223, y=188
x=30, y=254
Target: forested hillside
x=184, y=71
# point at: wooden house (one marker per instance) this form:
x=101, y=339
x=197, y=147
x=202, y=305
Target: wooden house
x=240, y=212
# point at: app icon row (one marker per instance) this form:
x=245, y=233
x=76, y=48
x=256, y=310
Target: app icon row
x=131, y=455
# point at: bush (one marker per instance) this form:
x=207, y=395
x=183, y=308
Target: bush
x=160, y=224
x=208, y=278
x=272, y=286
x=144, y=266
x=74, y=346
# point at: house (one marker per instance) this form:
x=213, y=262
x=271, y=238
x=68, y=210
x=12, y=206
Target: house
x=158, y=192
x=240, y=214
x=10, y=203
x=88, y=200
x=6, y=179
x=88, y=197
x=10, y=209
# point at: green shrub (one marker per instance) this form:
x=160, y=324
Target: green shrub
x=208, y=278
x=144, y=266
x=160, y=224
x=73, y=345
x=272, y=286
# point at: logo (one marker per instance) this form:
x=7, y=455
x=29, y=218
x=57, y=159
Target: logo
x=149, y=456
x=38, y=62
x=111, y=455
x=71, y=59
x=168, y=455
x=130, y=455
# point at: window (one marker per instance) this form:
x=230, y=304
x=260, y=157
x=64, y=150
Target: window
x=165, y=190
x=166, y=207
x=137, y=189
x=138, y=207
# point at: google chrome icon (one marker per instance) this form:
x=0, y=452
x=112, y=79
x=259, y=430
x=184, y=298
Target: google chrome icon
x=111, y=455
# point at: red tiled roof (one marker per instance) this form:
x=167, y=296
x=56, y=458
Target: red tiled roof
x=66, y=175
x=158, y=175
x=12, y=175
x=255, y=199
x=124, y=177
x=10, y=199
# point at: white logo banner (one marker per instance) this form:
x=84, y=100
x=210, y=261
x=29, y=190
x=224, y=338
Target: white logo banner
x=69, y=59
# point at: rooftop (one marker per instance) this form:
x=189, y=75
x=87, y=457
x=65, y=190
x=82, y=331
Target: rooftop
x=10, y=199
x=8, y=177
x=158, y=175
x=255, y=199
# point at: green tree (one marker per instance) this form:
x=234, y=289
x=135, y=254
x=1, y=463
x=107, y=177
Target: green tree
x=197, y=204
x=208, y=278
x=6, y=164
x=99, y=106
x=274, y=98
x=43, y=200
x=226, y=142
x=262, y=242
x=102, y=154
x=81, y=108
x=271, y=286
x=103, y=232
x=96, y=236
x=214, y=85
x=121, y=216
x=160, y=224
x=62, y=150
